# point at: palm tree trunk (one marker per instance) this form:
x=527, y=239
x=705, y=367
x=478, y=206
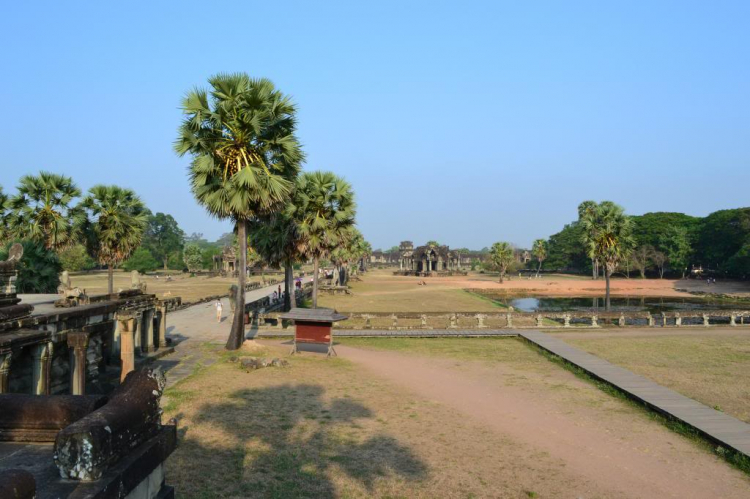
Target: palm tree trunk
x=288, y=286
x=166, y=262
x=606, y=296
x=594, y=269
x=110, y=279
x=316, y=266
x=237, y=334
x=538, y=269
x=501, y=276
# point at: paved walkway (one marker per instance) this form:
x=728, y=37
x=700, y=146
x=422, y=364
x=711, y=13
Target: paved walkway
x=719, y=427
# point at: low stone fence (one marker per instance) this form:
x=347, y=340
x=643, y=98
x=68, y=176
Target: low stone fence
x=529, y=320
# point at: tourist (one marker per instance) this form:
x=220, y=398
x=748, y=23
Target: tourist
x=219, y=309
x=279, y=290
x=275, y=296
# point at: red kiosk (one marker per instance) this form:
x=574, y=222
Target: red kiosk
x=314, y=325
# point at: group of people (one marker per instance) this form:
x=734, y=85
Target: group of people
x=276, y=296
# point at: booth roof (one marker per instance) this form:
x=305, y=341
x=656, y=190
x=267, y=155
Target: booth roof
x=313, y=315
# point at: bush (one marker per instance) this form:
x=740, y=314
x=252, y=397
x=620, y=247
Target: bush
x=142, y=261
x=39, y=270
x=76, y=258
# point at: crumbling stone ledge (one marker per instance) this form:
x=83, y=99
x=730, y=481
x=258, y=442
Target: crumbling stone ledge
x=39, y=418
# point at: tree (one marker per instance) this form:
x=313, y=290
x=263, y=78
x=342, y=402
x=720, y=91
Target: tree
x=565, y=252
x=4, y=216
x=608, y=235
x=659, y=259
x=245, y=157
x=192, y=255
x=115, y=224
x=163, y=237
x=501, y=255
x=539, y=250
x=76, y=258
x=141, y=260
x=641, y=258
x=276, y=240
x=324, y=212
x=42, y=211
x=589, y=215
x=39, y=268
x=676, y=244
x=433, y=243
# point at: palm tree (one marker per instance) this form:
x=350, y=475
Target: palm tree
x=501, y=255
x=245, y=158
x=324, y=211
x=115, y=224
x=42, y=212
x=4, y=217
x=540, y=252
x=588, y=213
x=609, y=237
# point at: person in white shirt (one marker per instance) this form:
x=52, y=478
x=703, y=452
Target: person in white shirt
x=219, y=309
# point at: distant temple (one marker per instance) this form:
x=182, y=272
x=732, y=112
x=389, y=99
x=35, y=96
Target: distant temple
x=430, y=260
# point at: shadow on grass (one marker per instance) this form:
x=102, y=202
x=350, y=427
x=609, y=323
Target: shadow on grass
x=287, y=441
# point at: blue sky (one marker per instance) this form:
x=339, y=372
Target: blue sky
x=464, y=122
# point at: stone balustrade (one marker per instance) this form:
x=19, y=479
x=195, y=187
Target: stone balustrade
x=525, y=320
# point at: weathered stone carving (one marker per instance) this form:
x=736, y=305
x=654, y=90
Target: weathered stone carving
x=38, y=418
x=85, y=449
x=9, y=302
x=135, y=282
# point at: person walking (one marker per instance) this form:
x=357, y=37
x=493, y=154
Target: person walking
x=219, y=310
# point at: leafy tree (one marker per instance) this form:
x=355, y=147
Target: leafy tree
x=141, y=260
x=589, y=215
x=163, y=237
x=433, y=243
x=722, y=235
x=208, y=255
x=501, y=255
x=564, y=250
x=539, y=250
x=393, y=249
x=39, y=268
x=649, y=228
x=245, y=157
x=192, y=255
x=176, y=261
x=42, y=211
x=323, y=211
x=676, y=244
x=76, y=258
x=226, y=239
x=641, y=259
x=608, y=235
x=115, y=224
x=4, y=216
x=660, y=260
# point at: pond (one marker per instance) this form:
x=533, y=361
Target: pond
x=654, y=305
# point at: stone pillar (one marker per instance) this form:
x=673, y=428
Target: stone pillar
x=78, y=342
x=539, y=320
x=128, y=329
x=453, y=321
x=732, y=320
x=594, y=321
x=650, y=319
x=137, y=340
x=394, y=321
x=163, y=327
x=509, y=319
x=423, y=321
x=480, y=321
x=42, y=355
x=621, y=320
x=705, y=319
x=368, y=325
x=567, y=320
x=5, y=359
x=148, y=331
x=677, y=319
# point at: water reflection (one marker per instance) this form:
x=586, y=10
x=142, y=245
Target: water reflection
x=651, y=304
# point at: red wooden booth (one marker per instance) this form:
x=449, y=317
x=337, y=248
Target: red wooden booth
x=314, y=325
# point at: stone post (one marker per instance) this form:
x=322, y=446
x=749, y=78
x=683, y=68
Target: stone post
x=5, y=359
x=453, y=321
x=423, y=319
x=394, y=322
x=148, y=330
x=42, y=355
x=732, y=320
x=368, y=325
x=621, y=320
x=539, y=320
x=128, y=329
x=78, y=342
x=480, y=321
x=567, y=320
x=163, y=326
x=664, y=319
x=137, y=339
x=650, y=319
x=677, y=319
x=705, y=319
x=509, y=319
x=594, y=321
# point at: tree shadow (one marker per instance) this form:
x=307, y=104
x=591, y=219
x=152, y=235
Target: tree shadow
x=289, y=442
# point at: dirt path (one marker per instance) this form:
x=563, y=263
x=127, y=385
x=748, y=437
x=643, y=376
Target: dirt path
x=698, y=332
x=602, y=441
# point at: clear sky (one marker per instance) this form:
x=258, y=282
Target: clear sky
x=464, y=122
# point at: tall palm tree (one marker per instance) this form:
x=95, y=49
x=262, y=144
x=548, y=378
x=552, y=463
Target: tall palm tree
x=501, y=255
x=540, y=252
x=4, y=217
x=324, y=211
x=115, y=224
x=609, y=237
x=42, y=212
x=245, y=158
x=588, y=212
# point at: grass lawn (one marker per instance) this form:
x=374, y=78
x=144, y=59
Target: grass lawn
x=712, y=369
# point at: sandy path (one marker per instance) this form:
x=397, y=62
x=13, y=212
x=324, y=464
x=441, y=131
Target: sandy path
x=606, y=444
x=653, y=333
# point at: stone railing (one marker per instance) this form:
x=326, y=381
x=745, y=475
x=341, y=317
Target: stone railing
x=529, y=320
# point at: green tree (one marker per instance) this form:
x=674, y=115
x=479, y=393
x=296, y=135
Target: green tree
x=4, y=216
x=245, y=157
x=42, y=211
x=433, y=243
x=114, y=225
x=76, y=258
x=192, y=255
x=141, y=260
x=323, y=211
x=722, y=236
x=501, y=256
x=608, y=235
x=539, y=250
x=565, y=252
x=39, y=268
x=641, y=258
x=163, y=237
x=676, y=244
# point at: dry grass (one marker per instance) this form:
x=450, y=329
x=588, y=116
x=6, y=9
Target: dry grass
x=711, y=369
x=190, y=289
x=324, y=428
